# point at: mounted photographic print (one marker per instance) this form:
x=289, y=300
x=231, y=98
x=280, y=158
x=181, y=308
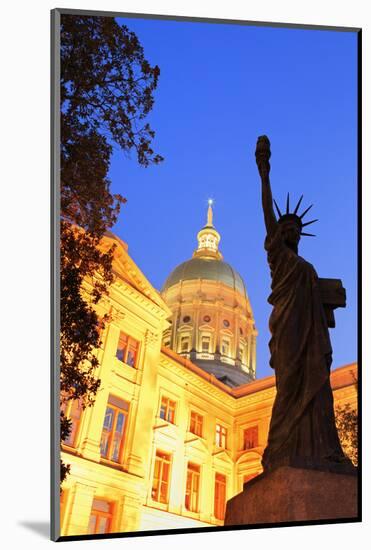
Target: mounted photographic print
x=205, y=293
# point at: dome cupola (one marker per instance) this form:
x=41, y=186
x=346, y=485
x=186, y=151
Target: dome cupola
x=212, y=321
x=208, y=238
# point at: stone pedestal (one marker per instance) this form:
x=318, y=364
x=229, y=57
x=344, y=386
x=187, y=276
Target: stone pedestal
x=294, y=494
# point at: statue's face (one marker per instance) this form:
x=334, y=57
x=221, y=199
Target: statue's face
x=291, y=232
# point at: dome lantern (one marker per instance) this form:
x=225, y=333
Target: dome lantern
x=208, y=238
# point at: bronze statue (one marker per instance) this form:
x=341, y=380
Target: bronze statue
x=302, y=430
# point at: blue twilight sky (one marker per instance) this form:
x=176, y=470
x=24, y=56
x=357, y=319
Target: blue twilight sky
x=221, y=86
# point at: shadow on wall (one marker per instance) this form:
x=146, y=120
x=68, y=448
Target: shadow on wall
x=42, y=528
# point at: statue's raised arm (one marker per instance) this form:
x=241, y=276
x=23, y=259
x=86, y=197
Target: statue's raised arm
x=262, y=155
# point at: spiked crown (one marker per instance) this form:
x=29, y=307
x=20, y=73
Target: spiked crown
x=294, y=216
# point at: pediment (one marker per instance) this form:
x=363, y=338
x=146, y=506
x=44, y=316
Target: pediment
x=250, y=456
x=126, y=269
x=222, y=455
x=226, y=331
x=165, y=430
x=207, y=328
x=195, y=443
x=185, y=328
x=160, y=424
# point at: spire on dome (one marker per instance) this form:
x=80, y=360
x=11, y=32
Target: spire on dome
x=208, y=238
x=210, y=213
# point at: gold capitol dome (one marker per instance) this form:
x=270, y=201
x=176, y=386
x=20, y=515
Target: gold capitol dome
x=212, y=321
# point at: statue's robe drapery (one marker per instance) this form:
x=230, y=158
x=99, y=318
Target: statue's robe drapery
x=302, y=429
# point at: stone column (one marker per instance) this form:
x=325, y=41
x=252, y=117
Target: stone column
x=253, y=351
x=207, y=488
x=129, y=514
x=236, y=349
x=79, y=509
x=248, y=351
x=195, y=321
x=139, y=456
x=177, y=485
x=217, y=323
x=174, y=328
x=94, y=416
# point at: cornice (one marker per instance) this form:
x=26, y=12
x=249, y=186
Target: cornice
x=151, y=338
x=196, y=443
x=259, y=391
x=126, y=270
x=223, y=455
x=258, y=397
x=249, y=455
x=125, y=290
x=210, y=386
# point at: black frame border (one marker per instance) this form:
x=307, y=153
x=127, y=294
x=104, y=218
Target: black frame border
x=55, y=269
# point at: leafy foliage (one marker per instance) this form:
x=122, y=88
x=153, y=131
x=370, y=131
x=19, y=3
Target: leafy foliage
x=106, y=91
x=347, y=426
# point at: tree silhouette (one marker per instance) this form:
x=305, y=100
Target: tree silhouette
x=346, y=419
x=106, y=90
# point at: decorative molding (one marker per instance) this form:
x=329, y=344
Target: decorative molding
x=196, y=442
x=124, y=290
x=207, y=328
x=225, y=399
x=163, y=424
x=259, y=397
x=222, y=454
x=250, y=455
x=151, y=338
x=186, y=327
x=117, y=314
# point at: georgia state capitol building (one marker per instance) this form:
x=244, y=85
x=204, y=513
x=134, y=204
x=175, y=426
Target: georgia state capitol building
x=180, y=421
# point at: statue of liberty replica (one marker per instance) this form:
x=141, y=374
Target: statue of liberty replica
x=302, y=429
x=306, y=474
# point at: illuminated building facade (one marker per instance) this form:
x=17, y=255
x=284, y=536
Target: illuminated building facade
x=175, y=430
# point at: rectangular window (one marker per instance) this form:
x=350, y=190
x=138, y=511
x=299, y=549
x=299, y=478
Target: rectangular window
x=127, y=350
x=205, y=344
x=113, y=434
x=161, y=478
x=72, y=409
x=195, y=424
x=220, y=495
x=240, y=353
x=192, y=488
x=184, y=343
x=250, y=438
x=100, y=517
x=221, y=436
x=225, y=347
x=167, y=410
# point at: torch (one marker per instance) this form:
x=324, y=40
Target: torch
x=262, y=155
